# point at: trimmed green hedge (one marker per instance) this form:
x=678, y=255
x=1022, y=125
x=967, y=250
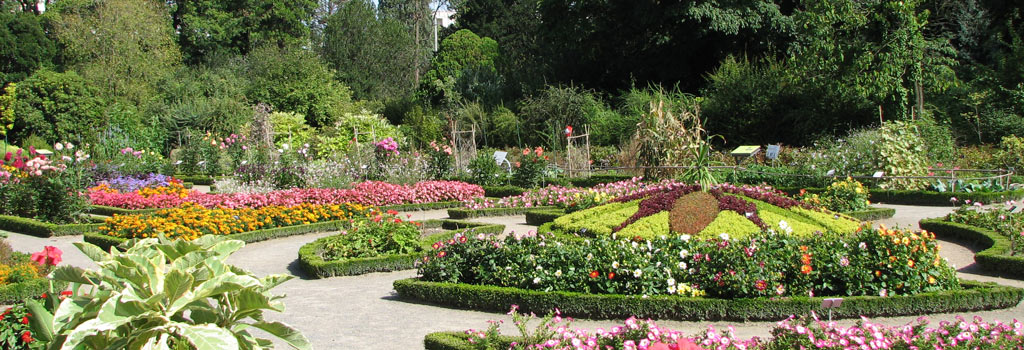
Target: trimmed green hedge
x=928, y=198
x=316, y=267
x=105, y=241
x=995, y=256
x=537, y=217
x=502, y=191
x=463, y=213
x=974, y=296
x=423, y=206
x=197, y=179
x=38, y=228
x=111, y=211
x=871, y=213
x=16, y=292
x=456, y=341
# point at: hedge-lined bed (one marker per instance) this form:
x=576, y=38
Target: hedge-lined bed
x=105, y=241
x=16, y=292
x=38, y=228
x=111, y=211
x=927, y=198
x=537, y=217
x=871, y=213
x=203, y=180
x=994, y=258
x=316, y=267
x=975, y=296
x=464, y=213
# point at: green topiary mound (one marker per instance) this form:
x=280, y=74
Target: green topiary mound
x=682, y=209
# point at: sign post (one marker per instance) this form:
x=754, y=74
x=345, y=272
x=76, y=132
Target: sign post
x=831, y=303
x=744, y=152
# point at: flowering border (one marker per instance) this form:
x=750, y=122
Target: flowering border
x=926, y=198
x=993, y=257
x=316, y=267
x=105, y=242
x=975, y=296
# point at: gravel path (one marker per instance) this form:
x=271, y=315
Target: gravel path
x=362, y=312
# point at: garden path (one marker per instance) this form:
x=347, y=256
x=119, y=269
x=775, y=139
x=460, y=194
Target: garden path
x=362, y=312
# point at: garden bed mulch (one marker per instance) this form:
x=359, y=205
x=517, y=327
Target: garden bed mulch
x=974, y=296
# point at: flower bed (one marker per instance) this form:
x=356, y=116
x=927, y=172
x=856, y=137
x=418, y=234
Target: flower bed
x=571, y=198
x=191, y=221
x=320, y=258
x=366, y=193
x=23, y=275
x=994, y=256
x=741, y=211
x=872, y=262
x=929, y=198
x=791, y=333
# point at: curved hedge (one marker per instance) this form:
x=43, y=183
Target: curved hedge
x=16, y=292
x=464, y=213
x=105, y=241
x=38, y=228
x=871, y=213
x=974, y=296
x=927, y=198
x=537, y=217
x=994, y=258
x=316, y=267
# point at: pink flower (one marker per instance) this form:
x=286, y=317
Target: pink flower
x=49, y=256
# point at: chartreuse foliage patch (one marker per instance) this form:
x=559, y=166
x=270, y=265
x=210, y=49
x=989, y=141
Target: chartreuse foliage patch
x=736, y=211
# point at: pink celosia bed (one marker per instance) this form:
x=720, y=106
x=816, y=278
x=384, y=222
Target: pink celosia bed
x=367, y=193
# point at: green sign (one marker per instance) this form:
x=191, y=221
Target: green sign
x=745, y=150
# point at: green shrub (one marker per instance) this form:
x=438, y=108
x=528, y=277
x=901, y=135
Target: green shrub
x=484, y=171
x=995, y=248
x=1011, y=149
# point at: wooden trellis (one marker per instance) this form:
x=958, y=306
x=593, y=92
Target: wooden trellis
x=577, y=154
x=465, y=146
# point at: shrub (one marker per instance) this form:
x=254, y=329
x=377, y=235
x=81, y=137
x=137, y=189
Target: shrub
x=529, y=168
x=49, y=190
x=192, y=296
x=371, y=238
x=840, y=196
x=484, y=171
x=1010, y=150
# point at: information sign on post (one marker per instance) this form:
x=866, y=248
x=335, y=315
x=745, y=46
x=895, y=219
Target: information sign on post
x=744, y=152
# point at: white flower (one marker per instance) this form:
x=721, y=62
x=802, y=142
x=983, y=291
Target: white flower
x=177, y=163
x=590, y=256
x=671, y=282
x=671, y=289
x=558, y=273
x=684, y=253
x=284, y=146
x=58, y=146
x=682, y=265
x=685, y=238
x=724, y=236
x=637, y=273
x=615, y=264
x=536, y=280
x=69, y=146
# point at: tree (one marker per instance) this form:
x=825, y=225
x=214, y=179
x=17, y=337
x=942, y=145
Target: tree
x=24, y=46
x=7, y=100
x=210, y=28
x=369, y=53
x=293, y=79
x=57, y=107
x=124, y=47
x=460, y=54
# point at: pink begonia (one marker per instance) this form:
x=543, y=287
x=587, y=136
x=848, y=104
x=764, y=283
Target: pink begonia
x=366, y=193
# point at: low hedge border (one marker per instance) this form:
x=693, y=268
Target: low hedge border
x=457, y=341
x=926, y=198
x=38, y=228
x=871, y=213
x=197, y=179
x=111, y=211
x=975, y=296
x=537, y=217
x=503, y=191
x=462, y=213
x=423, y=206
x=105, y=241
x=316, y=267
x=16, y=292
x=994, y=258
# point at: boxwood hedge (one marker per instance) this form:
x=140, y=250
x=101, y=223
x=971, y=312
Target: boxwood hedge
x=872, y=213
x=994, y=258
x=38, y=228
x=316, y=267
x=974, y=296
x=928, y=198
x=465, y=213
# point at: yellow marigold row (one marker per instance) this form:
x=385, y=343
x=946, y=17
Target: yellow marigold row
x=191, y=221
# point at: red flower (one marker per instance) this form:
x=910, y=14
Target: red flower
x=611, y=275
x=441, y=254
x=376, y=218
x=49, y=256
x=806, y=269
x=65, y=294
x=27, y=337
x=595, y=274
x=392, y=212
x=761, y=285
x=24, y=320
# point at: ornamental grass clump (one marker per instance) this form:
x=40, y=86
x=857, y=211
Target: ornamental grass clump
x=160, y=294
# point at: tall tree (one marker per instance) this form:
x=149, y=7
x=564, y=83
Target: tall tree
x=369, y=53
x=24, y=46
x=207, y=28
x=516, y=24
x=418, y=18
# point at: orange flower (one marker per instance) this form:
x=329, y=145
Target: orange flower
x=805, y=259
x=595, y=274
x=526, y=151
x=910, y=263
x=803, y=248
x=806, y=269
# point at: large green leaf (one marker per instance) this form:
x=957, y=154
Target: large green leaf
x=228, y=247
x=42, y=320
x=285, y=332
x=92, y=251
x=177, y=284
x=72, y=274
x=206, y=336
